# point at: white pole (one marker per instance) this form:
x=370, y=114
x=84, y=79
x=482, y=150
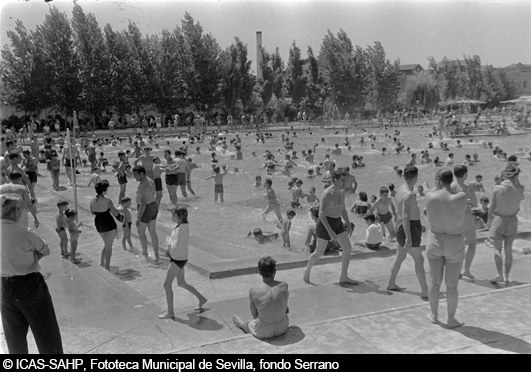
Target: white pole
x=75, y=159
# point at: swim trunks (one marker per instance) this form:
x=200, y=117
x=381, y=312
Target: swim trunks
x=150, y=213
x=69, y=163
x=263, y=330
x=218, y=188
x=335, y=223
x=172, y=179
x=373, y=246
x=416, y=234
x=181, y=179
x=122, y=179
x=385, y=218
x=503, y=227
x=179, y=263
x=127, y=225
x=451, y=248
x=158, y=184
x=295, y=204
x=59, y=229
x=32, y=176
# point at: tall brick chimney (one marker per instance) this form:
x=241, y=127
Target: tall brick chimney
x=259, y=58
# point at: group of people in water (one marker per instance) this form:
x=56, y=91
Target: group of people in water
x=451, y=208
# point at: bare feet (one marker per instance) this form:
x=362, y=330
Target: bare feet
x=433, y=318
x=202, y=303
x=238, y=322
x=166, y=315
x=348, y=281
x=306, y=277
x=453, y=323
x=395, y=288
x=498, y=279
x=469, y=275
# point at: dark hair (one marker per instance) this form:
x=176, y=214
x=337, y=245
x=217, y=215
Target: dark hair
x=484, y=199
x=13, y=155
x=314, y=211
x=370, y=217
x=445, y=175
x=384, y=190
x=101, y=186
x=460, y=170
x=363, y=196
x=391, y=187
x=60, y=203
x=139, y=169
x=267, y=267
x=181, y=212
x=121, y=153
x=70, y=213
x=338, y=173
x=410, y=171
x=15, y=175
x=291, y=212
x=512, y=158
x=268, y=181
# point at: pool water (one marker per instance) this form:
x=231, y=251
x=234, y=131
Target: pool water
x=220, y=230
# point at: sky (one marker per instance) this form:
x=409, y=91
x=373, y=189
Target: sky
x=499, y=31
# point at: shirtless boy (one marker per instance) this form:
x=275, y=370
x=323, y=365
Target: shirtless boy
x=382, y=206
x=269, y=304
x=409, y=231
x=330, y=226
x=459, y=185
x=147, y=211
x=445, y=247
x=503, y=222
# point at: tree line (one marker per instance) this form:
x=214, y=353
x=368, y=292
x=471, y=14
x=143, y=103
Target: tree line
x=74, y=64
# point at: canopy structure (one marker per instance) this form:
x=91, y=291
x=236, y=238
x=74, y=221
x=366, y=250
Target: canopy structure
x=521, y=99
x=462, y=102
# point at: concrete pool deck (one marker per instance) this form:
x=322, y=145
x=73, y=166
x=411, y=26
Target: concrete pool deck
x=115, y=312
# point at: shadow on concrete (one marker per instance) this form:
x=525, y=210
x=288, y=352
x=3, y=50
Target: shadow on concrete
x=199, y=322
x=496, y=340
x=127, y=274
x=292, y=336
x=367, y=286
x=83, y=265
x=487, y=284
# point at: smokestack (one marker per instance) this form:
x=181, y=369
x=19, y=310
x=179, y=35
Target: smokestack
x=259, y=58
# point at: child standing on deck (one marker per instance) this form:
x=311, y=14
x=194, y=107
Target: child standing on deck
x=218, y=182
x=178, y=254
x=286, y=227
x=73, y=229
x=62, y=225
x=128, y=221
x=53, y=165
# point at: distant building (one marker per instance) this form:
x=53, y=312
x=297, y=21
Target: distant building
x=410, y=70
x=521, y=75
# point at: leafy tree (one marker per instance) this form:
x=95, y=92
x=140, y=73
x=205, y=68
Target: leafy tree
x=93, y=62
x=139, y=70
x=24, y=74
x=205, y=75
x=61, y=60
x=237, y=82
x=423, y=88
x=344, y=69
x=295, y=79
x=384, y=79
x=509, y=86
x=119, y=65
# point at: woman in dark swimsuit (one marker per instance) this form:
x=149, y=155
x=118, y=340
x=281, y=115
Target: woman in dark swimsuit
x=103, y=208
